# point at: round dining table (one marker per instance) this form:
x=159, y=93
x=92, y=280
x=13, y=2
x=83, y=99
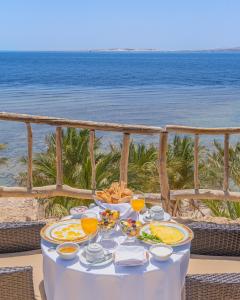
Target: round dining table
x=72, y=280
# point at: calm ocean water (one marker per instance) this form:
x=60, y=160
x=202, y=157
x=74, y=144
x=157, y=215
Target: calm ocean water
x=201, y=89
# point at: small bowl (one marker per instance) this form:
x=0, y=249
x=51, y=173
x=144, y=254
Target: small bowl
x=130, y=229
x=164, y=252
x=77, y=211
x=62, y=250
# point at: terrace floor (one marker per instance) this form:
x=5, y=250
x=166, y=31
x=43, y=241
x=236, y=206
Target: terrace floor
x=198, y=265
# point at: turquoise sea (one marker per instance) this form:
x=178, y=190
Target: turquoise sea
x=152, y=88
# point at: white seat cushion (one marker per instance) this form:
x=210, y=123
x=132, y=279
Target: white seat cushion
x=28, y=258
x=204, y=264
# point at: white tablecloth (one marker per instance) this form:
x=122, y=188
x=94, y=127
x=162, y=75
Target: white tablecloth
x=70, y=280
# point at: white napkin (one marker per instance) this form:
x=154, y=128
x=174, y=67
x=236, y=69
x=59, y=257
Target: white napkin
x=130, y=256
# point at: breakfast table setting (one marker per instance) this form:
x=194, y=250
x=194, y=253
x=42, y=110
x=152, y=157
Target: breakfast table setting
x=112, y=251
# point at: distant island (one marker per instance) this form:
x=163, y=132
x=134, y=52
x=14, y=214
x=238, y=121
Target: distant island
x=160, y=50
x=233, y=49
x=126, y=50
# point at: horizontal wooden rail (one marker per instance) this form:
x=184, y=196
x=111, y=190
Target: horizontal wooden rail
x=45, y=192
x=115, y=127
x=67, y=191
x=202, y=130
x=50, y=191
x=205, y=194
x=136, y=129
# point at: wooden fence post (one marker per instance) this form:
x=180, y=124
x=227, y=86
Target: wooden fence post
x=226, y=163
x=59, y=167
x=29, y=172
x=124, y=158
x=163, y=175
x=196, y=163
x=92, y=158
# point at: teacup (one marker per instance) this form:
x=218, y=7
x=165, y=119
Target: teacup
x=94, y=252
x=157, y=212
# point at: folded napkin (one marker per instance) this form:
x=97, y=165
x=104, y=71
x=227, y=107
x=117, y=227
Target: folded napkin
x=130, y=256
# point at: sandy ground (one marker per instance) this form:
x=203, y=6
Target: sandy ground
x=17, y=209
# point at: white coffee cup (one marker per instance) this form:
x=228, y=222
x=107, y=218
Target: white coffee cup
x=157, y=212
x=94, y=252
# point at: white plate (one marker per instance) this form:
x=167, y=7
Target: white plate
x=64, y=226
x=83, y=260
x=46, y=232
x=188, y=234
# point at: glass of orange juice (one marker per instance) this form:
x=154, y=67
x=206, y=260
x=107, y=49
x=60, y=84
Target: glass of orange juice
x=138, y=202
x=89, y=222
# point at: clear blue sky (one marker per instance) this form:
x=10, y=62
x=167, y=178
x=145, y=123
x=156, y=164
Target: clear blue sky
x=84, y=24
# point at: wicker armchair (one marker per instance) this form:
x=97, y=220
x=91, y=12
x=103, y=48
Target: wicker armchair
x=16, y=283
x=20, y=236
x=213, y=287
x=215, y=239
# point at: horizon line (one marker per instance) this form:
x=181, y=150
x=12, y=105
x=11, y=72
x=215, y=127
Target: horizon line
x=127, y=49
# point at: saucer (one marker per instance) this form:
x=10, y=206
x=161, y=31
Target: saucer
x=146, y=217
x=103, y=263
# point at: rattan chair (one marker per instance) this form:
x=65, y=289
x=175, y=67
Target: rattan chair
x=20, y=236
x=217, y=240
x=213, y=286
x=16, y=283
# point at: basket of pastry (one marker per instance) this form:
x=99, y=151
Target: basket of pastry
x=115, y=194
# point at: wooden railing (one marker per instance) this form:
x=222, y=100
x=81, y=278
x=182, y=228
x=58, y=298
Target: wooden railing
x=59, y=189
x=198, y=193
